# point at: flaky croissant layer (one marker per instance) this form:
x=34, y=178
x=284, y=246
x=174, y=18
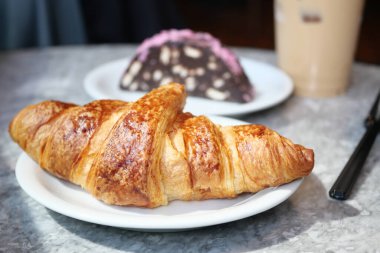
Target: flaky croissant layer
x=148, y=152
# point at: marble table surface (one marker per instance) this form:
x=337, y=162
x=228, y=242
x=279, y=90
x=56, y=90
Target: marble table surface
x=307, y=222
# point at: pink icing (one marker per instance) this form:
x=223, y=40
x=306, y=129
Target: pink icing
x=201, y=38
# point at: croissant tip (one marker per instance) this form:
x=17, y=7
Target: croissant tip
x=309, y=154
x=309, y=157
x=178, y=85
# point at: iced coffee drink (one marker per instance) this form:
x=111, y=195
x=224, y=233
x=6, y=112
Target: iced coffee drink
x=316, y=41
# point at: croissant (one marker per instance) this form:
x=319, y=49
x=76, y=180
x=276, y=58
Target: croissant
x=147, y=153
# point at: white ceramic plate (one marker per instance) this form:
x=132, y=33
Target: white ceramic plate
x=272, y=86
x=72, y=201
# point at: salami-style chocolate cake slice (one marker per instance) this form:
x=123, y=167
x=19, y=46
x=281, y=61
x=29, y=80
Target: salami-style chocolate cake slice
x=197, y=60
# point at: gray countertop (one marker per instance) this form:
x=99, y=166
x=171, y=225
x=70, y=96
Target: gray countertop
x=307, y=222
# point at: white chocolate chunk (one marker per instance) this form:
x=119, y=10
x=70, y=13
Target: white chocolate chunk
x=175, y=53
x=183, y=73
x=192, y=52
x=212, y=65
x=157, y=75
x=176, y=69
x=200, y=71
x=226, y=75
x=190, y=83
x=133, y=86
x=165, y=55
x=127, y=79
x=218, y=83
x=216, y=95
x=146, y=75
x=166, y=80
x=135, y=68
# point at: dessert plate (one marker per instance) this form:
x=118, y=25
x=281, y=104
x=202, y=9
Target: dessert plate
x=71, y=200
x=272, y=86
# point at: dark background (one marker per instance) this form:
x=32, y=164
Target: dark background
x=247, y=23
x=250, y=23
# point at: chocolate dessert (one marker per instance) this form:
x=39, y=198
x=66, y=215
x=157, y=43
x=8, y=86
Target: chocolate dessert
x=197, y=60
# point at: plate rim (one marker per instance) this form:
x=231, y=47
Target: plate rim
x=89, y=83
x=24, y=178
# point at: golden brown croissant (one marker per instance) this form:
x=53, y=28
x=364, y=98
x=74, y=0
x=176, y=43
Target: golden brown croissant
x=148, y=152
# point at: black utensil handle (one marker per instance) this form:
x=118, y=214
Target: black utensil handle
x=347, y=178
